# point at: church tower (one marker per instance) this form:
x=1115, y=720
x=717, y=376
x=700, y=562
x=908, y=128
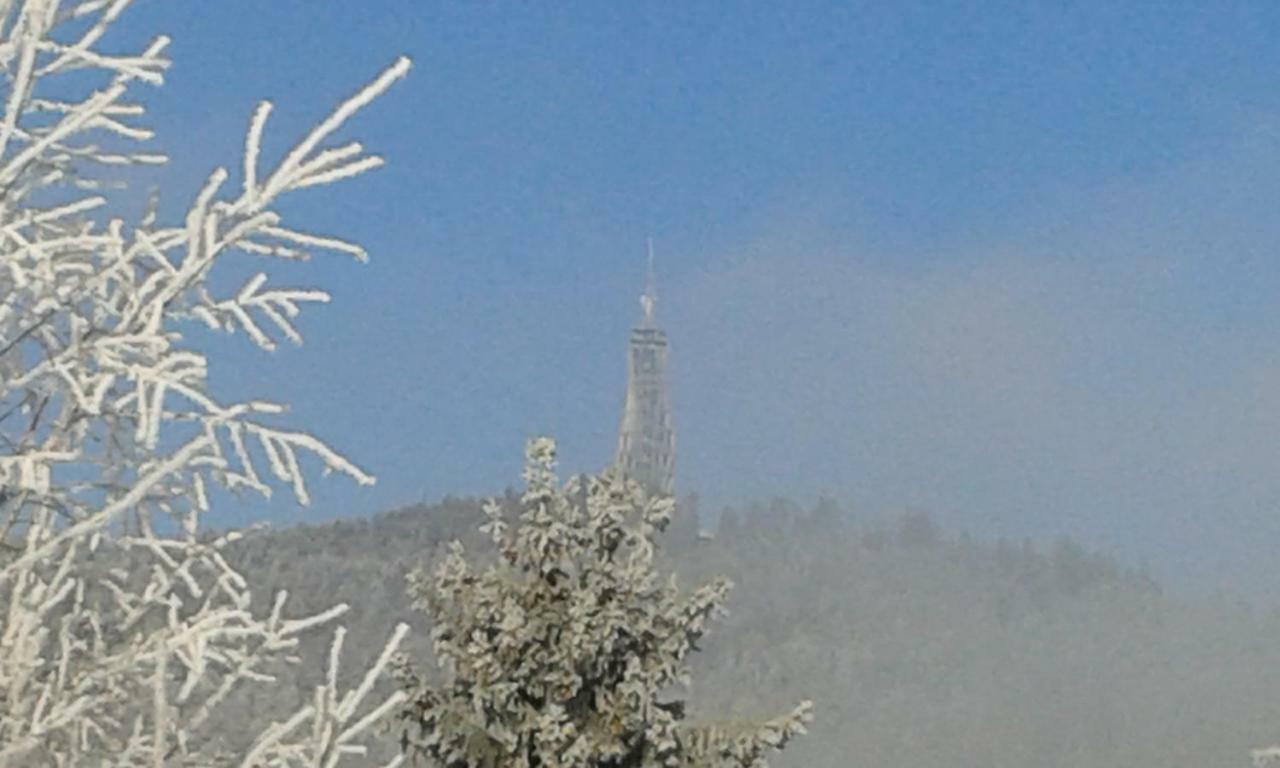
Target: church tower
x=646, y=439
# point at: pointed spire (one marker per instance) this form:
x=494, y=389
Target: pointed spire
x=650, y=298
x=646, y=439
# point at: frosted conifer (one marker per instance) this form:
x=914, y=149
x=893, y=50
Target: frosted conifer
x=564, y=651
x=123, y=629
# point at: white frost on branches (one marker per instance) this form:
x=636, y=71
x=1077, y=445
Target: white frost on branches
x=122, y=627
x=566, y=650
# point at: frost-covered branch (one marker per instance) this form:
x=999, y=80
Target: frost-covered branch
x=122, y=627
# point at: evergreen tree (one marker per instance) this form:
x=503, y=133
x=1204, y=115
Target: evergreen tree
x=566, y=649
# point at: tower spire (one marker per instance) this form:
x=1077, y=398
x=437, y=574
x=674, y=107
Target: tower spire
x=646, y=439
x=649, y=300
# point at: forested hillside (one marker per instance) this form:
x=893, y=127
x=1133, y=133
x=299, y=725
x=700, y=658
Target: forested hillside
x=919, y=649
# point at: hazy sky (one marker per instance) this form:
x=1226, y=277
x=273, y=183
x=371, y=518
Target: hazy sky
x=1010, y=263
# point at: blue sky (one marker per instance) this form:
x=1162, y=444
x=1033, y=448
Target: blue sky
x=1010, y=262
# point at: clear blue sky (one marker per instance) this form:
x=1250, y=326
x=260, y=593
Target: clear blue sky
x=1013, y=262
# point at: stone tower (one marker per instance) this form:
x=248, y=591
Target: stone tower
x=646, y=439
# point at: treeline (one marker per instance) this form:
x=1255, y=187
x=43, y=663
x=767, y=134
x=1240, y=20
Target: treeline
x=919, y=648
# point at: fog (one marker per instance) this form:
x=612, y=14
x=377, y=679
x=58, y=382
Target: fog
x=1071, y=333
x=953, y=408
x=1103, y=368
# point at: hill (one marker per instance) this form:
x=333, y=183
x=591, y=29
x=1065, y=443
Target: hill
x=919, y=649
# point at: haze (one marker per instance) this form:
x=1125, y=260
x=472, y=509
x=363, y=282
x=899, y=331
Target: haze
x=1007, y=263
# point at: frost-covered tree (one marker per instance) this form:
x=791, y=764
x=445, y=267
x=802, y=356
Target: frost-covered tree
x=123, y=629
x=566, y=650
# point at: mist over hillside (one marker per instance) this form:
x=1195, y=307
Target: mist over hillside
x=919, y=648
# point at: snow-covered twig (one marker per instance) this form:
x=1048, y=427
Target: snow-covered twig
x=119, y=644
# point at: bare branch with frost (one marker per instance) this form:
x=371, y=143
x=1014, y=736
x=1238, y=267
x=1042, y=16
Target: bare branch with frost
x=123, y=629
